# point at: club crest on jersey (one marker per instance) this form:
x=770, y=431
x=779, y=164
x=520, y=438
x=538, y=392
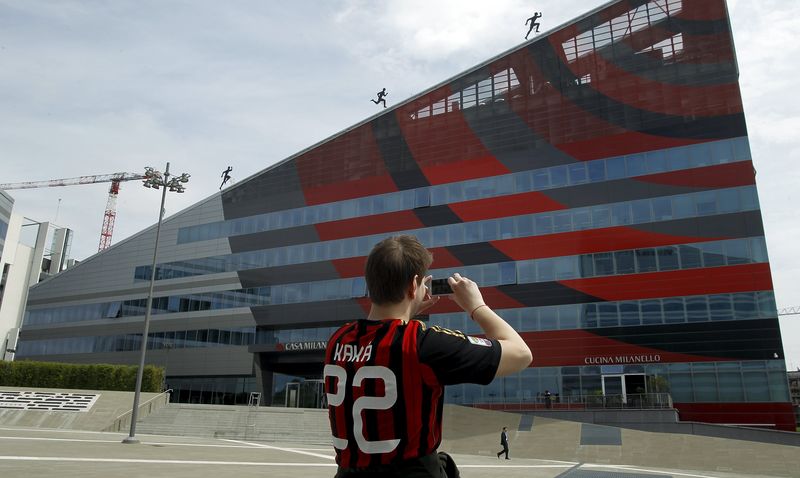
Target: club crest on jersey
x=352, y=353
x=479, y=341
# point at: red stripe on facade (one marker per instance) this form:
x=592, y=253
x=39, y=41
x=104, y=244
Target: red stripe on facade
x=367, y=225
x=778, y=414
x=713, y=280
x=705, y=10
x=503, y=206
x=649, y=95
x=463, y=170
x=341, y=190
x=441, y=136
x=589, y=241
x=442, y=258
x=559, y=348
x=326, y=171
x=350, y=266
x=619, y=144
x=718, y=176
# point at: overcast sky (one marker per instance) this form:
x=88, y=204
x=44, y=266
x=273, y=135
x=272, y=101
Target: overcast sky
x=101, y=87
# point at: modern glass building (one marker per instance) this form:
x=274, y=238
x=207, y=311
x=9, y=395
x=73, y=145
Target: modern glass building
x=596, y=181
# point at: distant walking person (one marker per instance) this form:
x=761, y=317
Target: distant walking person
x=504, y=443
x=548, y=399
x=381, y=95
x=533, y=22
x=226, y=176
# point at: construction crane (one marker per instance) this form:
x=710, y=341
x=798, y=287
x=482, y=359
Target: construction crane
x=794, y=310
x=111, y=206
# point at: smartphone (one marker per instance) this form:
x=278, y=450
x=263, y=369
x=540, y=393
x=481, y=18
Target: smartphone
x=440, y=287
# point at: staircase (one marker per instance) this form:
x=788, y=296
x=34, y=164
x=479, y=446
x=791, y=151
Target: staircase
x=298, y=425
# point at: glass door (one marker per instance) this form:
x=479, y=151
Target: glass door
x=292, y=395
x=614, y=390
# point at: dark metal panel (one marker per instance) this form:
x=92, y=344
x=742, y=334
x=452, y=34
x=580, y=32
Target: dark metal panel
x=276, y=238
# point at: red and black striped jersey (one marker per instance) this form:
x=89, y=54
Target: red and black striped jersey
x=384, y=381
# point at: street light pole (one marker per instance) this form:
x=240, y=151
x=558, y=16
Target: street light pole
x=153, y=179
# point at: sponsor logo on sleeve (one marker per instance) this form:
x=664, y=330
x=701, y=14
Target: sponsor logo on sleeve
x=479, y=341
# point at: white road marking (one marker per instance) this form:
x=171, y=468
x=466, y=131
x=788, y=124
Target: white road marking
x=290, y=450
x=84, y=440
x=160, y=462
x=634, y=468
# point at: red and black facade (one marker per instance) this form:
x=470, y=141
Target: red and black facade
x=596, y=182
x=632, y=80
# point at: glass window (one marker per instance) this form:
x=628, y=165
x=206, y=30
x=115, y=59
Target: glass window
x=541, y=179
x=736, y=252
x=608, y=313
x=601, y=216
x=651, y=312
x=558, y=176
x=656, y=162
x=646, y=260
x=586, y=265
x=568, y=316
x=625, y=262
x=662, y=209
x=677, y=159
x=589, y=319
x=577, y=173
x=565, y=268
x=674, y=311
x=629, y=313
x=758, y=249
x=756, y=386
x=581, y=220
x=712, y=255
x=615, y=167
x=683, y=206
x=705, y=387
x=744, y=306
x=597, y=171
x=706, y=202
x=720, y=307
x=545, y=270
x=603, y=264
x=621, y=214
x=544, y=224
x=562, y=221
x=641, y=211
x=667, y=258
x=690, y=257
x=635, y=165
x=730, y=386
x=697, y=309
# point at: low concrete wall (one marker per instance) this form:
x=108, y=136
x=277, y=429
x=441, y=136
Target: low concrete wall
x=104, y=413
x=621, y=418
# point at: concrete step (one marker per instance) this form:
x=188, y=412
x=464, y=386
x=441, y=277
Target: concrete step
x=307, y=426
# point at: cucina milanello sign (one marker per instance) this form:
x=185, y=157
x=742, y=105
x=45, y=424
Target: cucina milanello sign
x=621, y=359
x=310, y=345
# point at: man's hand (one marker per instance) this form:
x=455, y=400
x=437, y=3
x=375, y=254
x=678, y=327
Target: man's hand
x=429, y=300
x=465, y=292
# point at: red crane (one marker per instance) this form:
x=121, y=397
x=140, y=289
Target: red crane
x=111, y=206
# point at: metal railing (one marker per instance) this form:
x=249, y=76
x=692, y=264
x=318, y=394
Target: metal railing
x=123, y=421
x=631, y=401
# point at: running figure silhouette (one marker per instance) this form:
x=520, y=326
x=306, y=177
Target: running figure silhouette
x=226, y=176
x=533, y=22
x=381, y=95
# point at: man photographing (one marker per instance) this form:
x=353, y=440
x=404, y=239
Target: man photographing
x=385, y=375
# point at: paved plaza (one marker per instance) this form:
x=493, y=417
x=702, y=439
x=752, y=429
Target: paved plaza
x=32, y=453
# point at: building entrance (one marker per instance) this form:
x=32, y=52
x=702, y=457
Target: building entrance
x=624, y=387
x=307, y=393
